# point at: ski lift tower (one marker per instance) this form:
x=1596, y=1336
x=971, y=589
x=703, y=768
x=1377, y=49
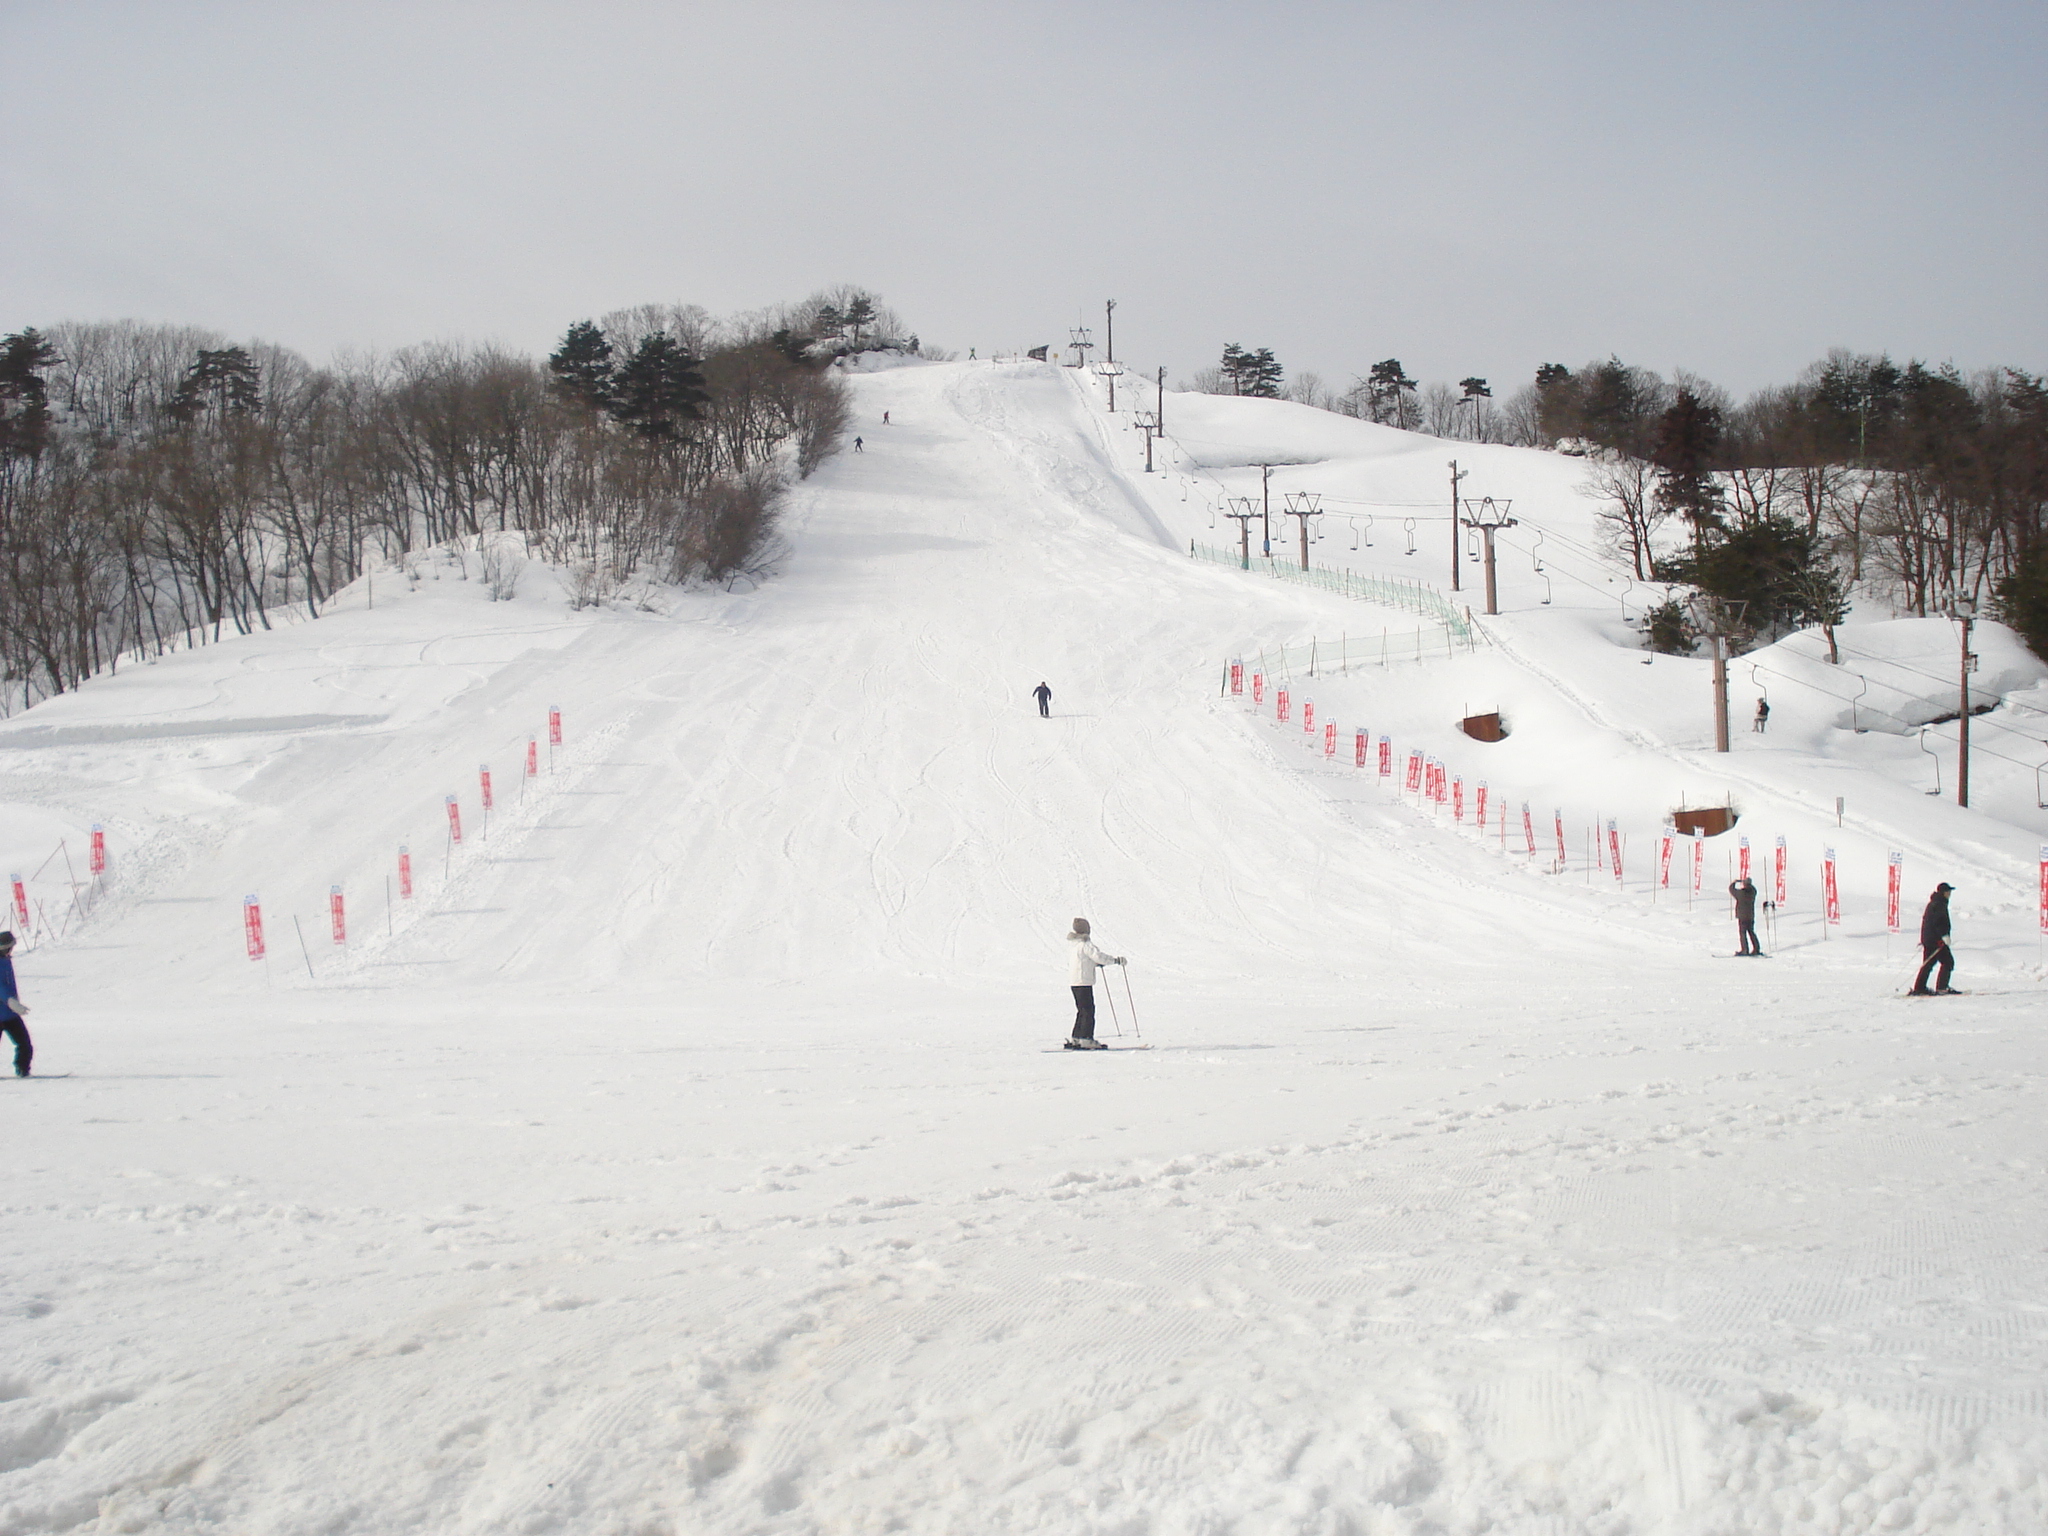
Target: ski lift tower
x=1080, y=345
x=1243, y=509
x=1489, y=517
x=1304, y=505
x=1146, y=422
x=1112, y=371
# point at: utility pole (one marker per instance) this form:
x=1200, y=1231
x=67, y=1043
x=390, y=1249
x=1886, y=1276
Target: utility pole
x=1160, y=411
x=1144, y=421
x=1489, y=517
x=1457, y=535
x=1109, y=331
x=1720, y=620
x=1244, y=514
x=1112, y=372
x=1304, y=505
x=1080, y=345
x=1964, y=608
x=1720, y=644
x=1266, y=508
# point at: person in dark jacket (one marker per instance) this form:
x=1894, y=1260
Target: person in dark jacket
x=1744, y=892
x=1044, y=696
x=1934, y=950
x=13, y=1024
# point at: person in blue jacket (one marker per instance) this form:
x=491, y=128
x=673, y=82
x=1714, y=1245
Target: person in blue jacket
x=12, y=1009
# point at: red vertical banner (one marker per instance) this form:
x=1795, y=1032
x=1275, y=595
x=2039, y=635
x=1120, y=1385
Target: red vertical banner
x=1364, y=740
x=1258, y=687
x=1742, y=856
x=483, y=774
x=252, y=926
x=98, y=858
x=1413, y=780
x=554, y=725
x=337, y=915
x=532, y=758
x=1386, y=757
x=1830, y=894
x=1458, y=799
x=1528, y=828
x=1664, y=862
x=1280, y=705
x=1614, y=846
x=1699, y=859
x=1479, y=806
x=454, y=820
x=1330, y=739
x=1778, y=884
x=1557, y=826
x=2044, y=887
x=1308, y=716
x=20, y=902
x=405, y=872
x=1891, y=890
x=1236, y=678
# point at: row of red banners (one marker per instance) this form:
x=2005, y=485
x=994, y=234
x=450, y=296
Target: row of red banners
x=337, y=904
x=1429, y=778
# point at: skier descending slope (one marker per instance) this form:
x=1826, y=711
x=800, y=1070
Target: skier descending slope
x=1044, y=696
x=12, y=1024
x=1086, y=958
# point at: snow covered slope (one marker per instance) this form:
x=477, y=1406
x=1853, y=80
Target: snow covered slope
x=688, y=1153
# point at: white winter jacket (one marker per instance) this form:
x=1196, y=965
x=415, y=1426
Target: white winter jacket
x=1086, y=958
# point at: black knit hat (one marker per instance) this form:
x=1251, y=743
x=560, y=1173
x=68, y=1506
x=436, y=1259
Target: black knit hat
x=6, y=942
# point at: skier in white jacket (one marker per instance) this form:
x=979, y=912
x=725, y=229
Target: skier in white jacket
x=1086, y=958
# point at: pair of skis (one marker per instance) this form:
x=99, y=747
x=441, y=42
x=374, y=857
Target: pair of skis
x=1137, y=1035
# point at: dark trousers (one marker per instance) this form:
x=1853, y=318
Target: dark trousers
x=1937, y=956
x=24, y=1048
x=1746, y=931
x=1084, y=1013
x=1045, y=709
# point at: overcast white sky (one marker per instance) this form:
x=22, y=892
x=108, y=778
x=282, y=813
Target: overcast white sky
x=1470, y=187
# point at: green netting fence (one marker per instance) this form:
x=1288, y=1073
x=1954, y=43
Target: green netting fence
x=1386, y=591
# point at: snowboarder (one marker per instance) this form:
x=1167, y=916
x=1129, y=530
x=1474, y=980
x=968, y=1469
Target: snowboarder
x=1763, y=715
x=1934, y=950
x=1744, y=892
x=13, y=1023
x=1044, y=696
x=1086, y=958
x=858, y=446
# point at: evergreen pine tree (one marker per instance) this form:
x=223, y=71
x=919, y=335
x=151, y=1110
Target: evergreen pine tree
x=582, y=365
x=1263, y=375
x=1235, y=366
x=25, y=424
x=658, y=391
x=1683, y=450
x=1391, y=393
x=227, y=382
x=859, y=314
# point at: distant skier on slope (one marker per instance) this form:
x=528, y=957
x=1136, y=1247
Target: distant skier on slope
x=1086, y=958
x=860, y=445
x=12, y=1009
x=1763, y=716
x=1044, y=696
x=1744, y=892
x=1934, y=950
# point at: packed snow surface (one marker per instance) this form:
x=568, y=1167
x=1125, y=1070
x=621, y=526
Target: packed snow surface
x=692, y=1151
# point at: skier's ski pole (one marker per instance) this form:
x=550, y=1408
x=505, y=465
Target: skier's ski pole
x=1133, y=1002
x=302, y=948
x=1110, y=992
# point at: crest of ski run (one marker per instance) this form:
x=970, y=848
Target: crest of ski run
x=692, y=1149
